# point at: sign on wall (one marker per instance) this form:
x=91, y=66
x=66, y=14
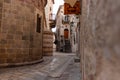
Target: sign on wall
x=72, y=7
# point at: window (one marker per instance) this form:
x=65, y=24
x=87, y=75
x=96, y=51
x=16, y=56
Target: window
x=66, y=18
x=38, y=29
x=50, y=9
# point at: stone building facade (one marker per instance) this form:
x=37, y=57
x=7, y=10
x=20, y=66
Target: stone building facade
x=74, y=32
x=68, y=22
x=61, y=25
x=49, y=13
x=21, y=24
x=100, y=40
x=48, y=43
x=47, y=32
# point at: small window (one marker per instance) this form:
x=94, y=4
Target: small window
x=38, y=29
x=77, y=17
x=50, y=9
x=66, y=18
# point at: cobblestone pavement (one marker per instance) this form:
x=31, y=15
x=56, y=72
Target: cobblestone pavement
x=61, y=66
x=71, y=73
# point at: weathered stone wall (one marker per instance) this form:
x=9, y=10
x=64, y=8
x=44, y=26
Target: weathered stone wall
x=47, y=43
x=1, y=6
x=48, y=12
x=19, y=41
x=47, y=33
x=100, y=40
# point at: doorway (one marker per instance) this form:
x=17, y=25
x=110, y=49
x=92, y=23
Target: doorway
x=66, y=33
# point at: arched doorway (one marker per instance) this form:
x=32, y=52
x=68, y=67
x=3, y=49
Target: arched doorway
x=66, y=33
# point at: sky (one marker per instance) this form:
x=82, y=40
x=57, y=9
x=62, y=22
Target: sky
x=56, y=5
x=55, y=9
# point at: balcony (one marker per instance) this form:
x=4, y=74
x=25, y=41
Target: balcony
x=65, y=20
x=52, y=21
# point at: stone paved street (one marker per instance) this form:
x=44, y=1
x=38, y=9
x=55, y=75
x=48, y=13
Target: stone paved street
x=61, y=66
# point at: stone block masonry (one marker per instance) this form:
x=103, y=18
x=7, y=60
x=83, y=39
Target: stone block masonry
x=100, y=40
x=19, y=41
x=48, y=43
x=1, y=6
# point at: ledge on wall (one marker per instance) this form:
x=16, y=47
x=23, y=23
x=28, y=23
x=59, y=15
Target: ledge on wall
x=20, y=64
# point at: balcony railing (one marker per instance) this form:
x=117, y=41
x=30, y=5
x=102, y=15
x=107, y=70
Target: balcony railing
x=52, y=21
x=52, y=24
x=65, y=20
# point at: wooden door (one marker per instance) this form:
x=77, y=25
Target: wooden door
x=66, y=34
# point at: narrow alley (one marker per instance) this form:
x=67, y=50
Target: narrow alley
x=59, y=39
x=60, y=66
